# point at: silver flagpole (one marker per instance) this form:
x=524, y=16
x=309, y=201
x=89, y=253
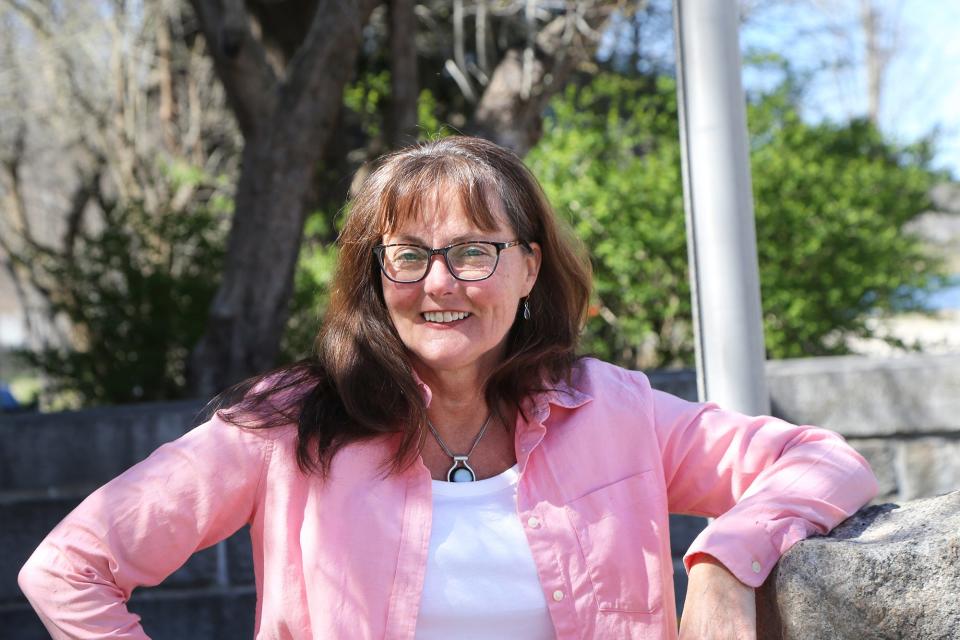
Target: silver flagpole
x=721, y=238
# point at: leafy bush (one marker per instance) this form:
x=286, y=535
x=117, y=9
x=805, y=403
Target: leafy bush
x=831, y=204
x=831, y=201
x=311, y=287
x=136, y=296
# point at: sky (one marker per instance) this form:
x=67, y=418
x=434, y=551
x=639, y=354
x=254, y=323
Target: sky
x=921, y=89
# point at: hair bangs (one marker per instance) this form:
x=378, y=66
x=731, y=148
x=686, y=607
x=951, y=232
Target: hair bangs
x=412, y=191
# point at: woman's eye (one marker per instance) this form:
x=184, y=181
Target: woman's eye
x=408, y=255
x=475, y=250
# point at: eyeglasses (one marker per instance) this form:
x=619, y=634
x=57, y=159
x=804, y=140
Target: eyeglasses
x=467, y=261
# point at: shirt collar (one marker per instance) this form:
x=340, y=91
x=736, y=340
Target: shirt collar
x=425, y=391
x=561, y=395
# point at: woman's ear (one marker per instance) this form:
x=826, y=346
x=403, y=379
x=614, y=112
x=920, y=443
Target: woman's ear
x=532, y=260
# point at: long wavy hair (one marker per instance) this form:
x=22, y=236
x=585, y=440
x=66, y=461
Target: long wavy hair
x=359, y=383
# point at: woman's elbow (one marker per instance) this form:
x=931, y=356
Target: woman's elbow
x=36, y=577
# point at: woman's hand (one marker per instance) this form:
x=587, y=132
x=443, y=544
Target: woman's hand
x=717, y=606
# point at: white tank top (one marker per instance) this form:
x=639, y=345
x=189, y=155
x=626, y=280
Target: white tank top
x=481, y=582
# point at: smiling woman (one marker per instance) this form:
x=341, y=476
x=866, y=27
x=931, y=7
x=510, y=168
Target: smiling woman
x=475, y=293
x=446, y=465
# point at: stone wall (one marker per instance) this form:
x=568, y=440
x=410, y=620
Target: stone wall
x=902, y=414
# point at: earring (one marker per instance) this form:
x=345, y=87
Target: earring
x=526, y=309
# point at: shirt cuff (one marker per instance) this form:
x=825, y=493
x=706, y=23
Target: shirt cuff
x=747, y=549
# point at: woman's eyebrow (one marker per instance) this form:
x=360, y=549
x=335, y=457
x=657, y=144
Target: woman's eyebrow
x=404, y=238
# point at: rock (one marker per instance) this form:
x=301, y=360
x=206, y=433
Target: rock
x=888, y=572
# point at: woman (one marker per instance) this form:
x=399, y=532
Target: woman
x=446, y=466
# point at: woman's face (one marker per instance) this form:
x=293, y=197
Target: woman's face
x=472, y=339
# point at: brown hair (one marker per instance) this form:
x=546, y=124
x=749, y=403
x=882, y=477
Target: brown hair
x=360, y=382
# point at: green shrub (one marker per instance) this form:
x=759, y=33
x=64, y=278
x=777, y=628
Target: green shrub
x=136, y=295
x=831, y=201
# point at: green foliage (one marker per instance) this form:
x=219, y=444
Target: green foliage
x=831, y=202
x=136, y=295
x=428, y=124
x=311, y=287
x=609, y=162
x=366, y=98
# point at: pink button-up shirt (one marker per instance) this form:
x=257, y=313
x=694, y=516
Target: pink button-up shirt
x=602, y=463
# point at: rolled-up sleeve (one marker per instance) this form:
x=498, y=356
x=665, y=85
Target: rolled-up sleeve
x=140, y=527
x=767, y=483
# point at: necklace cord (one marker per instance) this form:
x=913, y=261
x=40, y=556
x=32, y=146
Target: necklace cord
x=476, y=439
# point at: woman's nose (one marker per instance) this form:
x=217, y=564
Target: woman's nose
x=438, y=278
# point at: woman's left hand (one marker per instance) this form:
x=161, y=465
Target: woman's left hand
x=718, y=606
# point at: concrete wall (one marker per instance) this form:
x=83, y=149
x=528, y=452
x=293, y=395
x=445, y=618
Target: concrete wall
x=902, y=414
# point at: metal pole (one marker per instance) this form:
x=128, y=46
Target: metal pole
x=721, y=238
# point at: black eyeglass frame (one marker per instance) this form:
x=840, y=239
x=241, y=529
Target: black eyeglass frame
x=379, y=250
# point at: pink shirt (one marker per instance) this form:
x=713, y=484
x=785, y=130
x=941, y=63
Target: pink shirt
x=602, y=463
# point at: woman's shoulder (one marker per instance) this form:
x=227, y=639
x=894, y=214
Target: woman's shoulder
x=270, y=406
x=590, y=375
x=221, y=435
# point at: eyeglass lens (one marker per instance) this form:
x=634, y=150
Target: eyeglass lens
x=467, y=261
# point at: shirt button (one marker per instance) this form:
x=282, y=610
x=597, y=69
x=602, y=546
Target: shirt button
x=755, y=566
x=533, y=522
x=558, y=595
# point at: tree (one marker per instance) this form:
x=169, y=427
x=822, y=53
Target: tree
x=851, y=44
x=285, y=89
x=128, y=122
x=833, y=201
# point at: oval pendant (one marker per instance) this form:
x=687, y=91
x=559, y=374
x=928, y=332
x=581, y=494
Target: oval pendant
x=460, y=471
x=461, y=474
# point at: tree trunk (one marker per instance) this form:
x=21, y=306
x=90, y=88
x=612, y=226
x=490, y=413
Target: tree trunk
x=287, y=122
x=404, y=87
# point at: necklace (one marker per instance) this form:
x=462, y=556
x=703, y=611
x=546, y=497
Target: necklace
x=460, y=471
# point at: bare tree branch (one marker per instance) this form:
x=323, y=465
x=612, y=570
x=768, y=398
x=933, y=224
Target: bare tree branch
x=19, y=222
x=481, y=34
x=241, y=62
x=459, y=53
x=85, y=191
x=39, y=24
x=510, y=110
x=168, y=106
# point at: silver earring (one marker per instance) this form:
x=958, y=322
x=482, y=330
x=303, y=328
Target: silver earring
x=526, y=309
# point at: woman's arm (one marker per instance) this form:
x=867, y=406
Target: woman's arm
x=768, y=483
x=718, y=606
x=142, y=526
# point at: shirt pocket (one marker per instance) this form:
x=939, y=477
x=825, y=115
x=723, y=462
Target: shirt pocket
x=619, y=532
